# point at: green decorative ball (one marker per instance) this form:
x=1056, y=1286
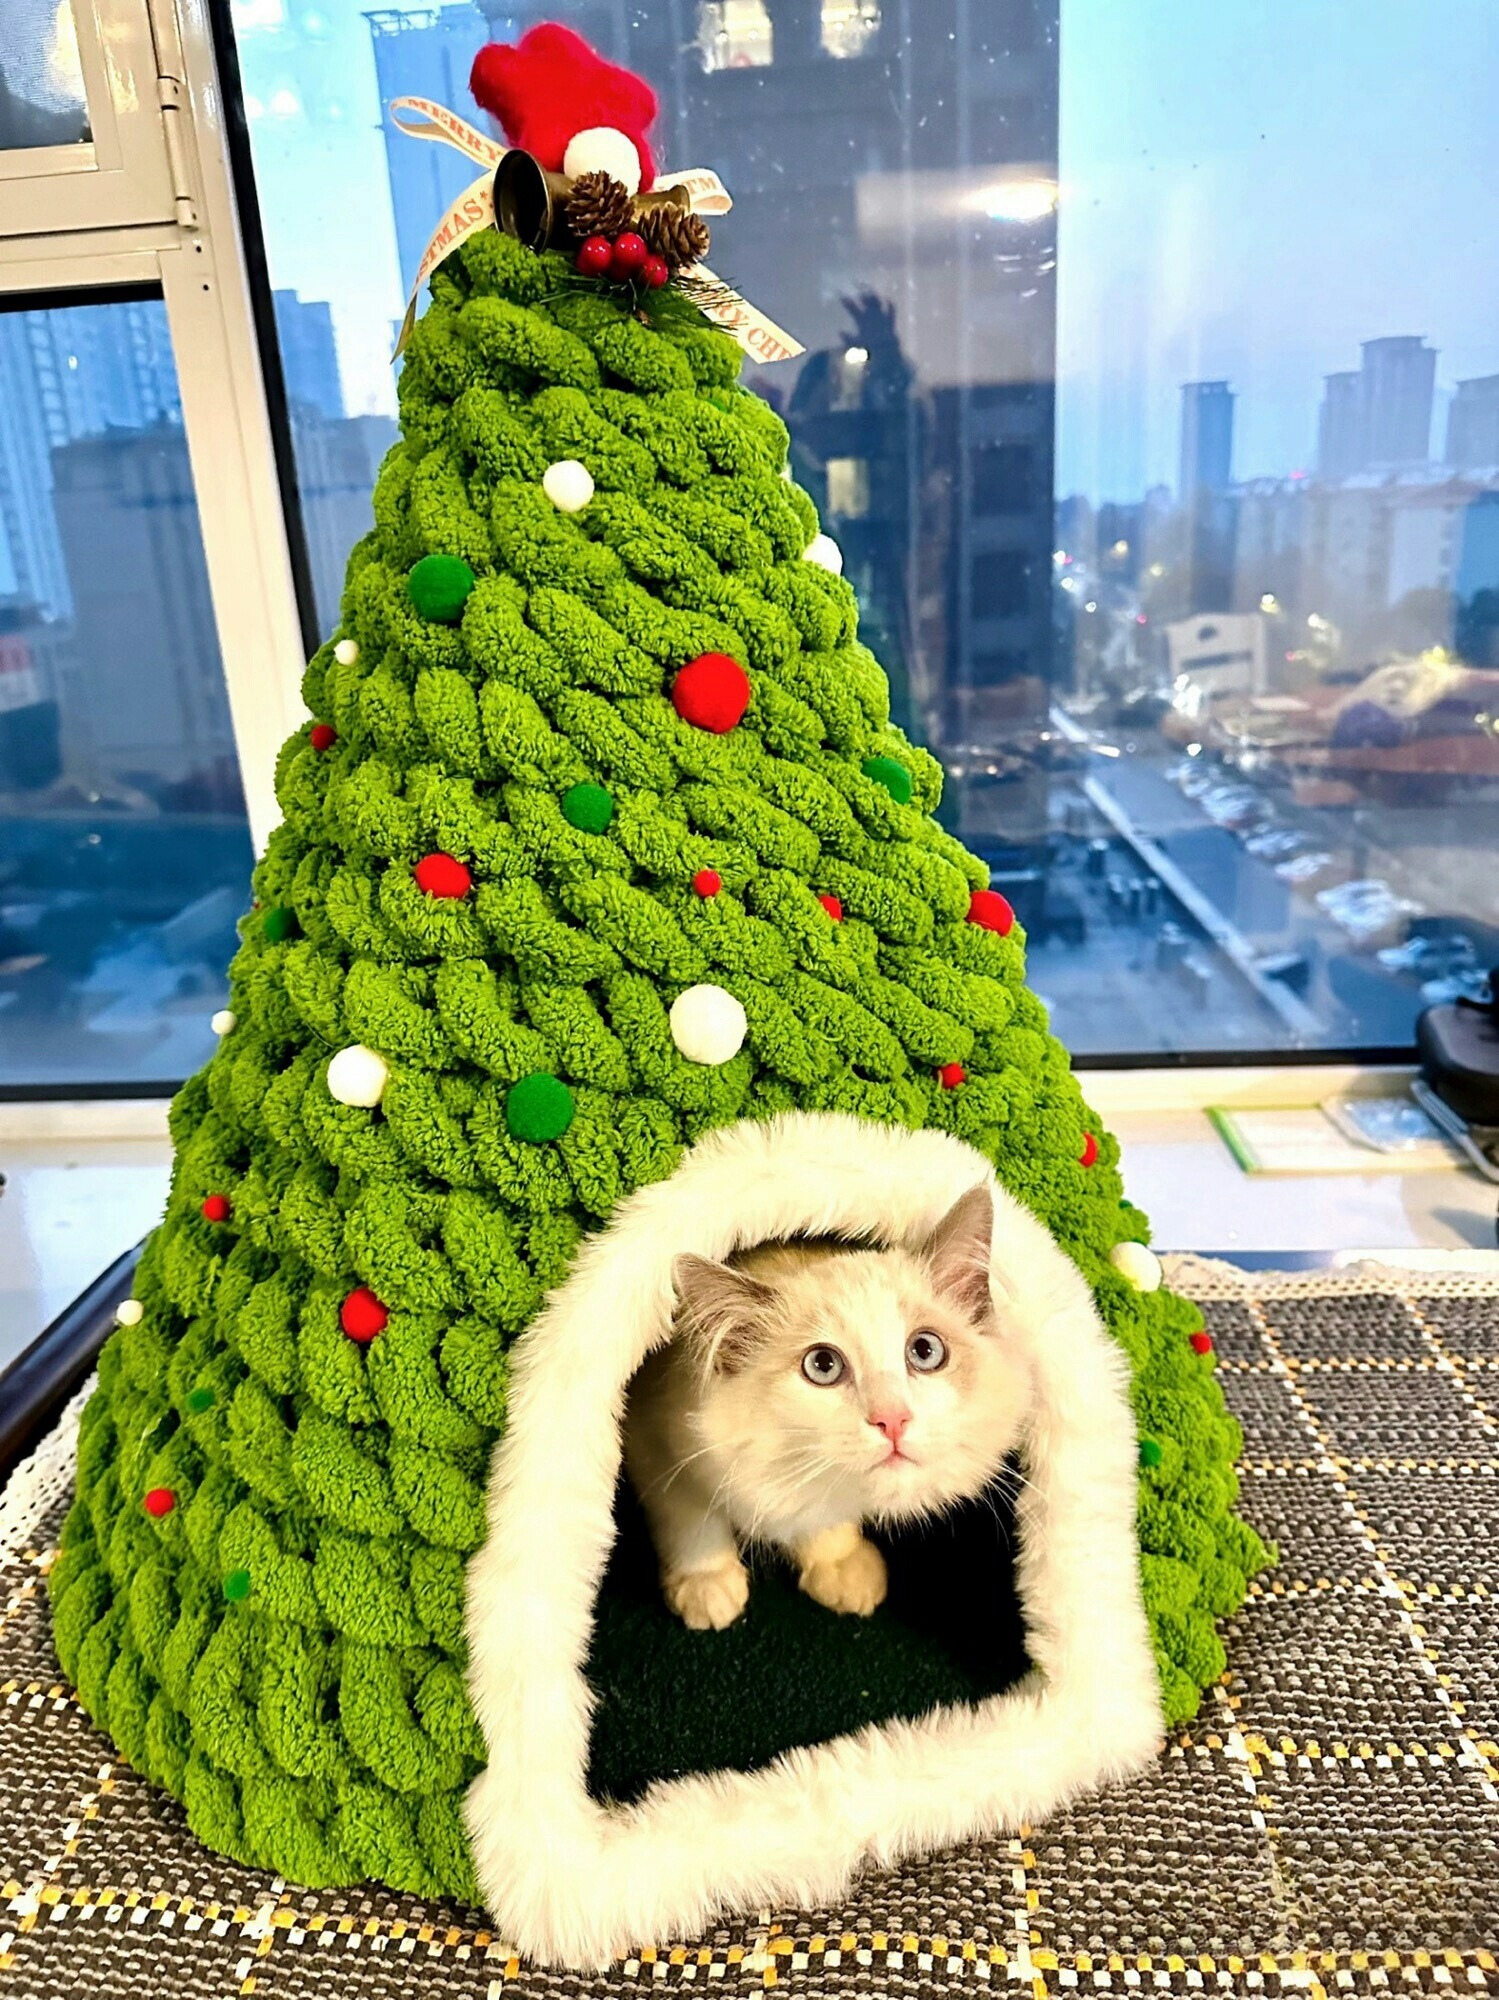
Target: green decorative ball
x=894, y=777
x=1150, y=1452
x=237, y=1585
x=439, y=587
x=587, y=807
x=538, y=1108
x=199, y=1400
x=279, y=924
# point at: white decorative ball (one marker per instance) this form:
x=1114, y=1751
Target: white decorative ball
x=129, y=1312
x=223, y=1021
x=568, y=485
x=825, y=552
x=601, y=149
x=346, y=652
x=1140, y=1266
x=707, y=1024
x=357, y=1075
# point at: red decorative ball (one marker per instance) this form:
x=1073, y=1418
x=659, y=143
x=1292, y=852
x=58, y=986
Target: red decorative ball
x=833, y=907
x=711, y=692
x=441, y=875
x=322, y=736
x=594, y=254
x=159, y=1502
x=951, y=1075
x=216, y=1208
x=1201, y=1343
x=654, y=273
x=707, y=882
x=990, y=911
x=1089, y=1155
x=362, y=1316
x=631, y=253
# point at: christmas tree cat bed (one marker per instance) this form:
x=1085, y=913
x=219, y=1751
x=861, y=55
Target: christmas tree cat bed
x=609, y=920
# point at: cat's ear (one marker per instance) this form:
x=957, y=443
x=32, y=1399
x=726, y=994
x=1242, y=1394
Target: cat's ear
x=720, y=1311
x=958, y=1252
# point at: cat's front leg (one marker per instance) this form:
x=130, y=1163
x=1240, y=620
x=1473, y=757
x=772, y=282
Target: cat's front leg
x=702, y=1577
x=842, y=1570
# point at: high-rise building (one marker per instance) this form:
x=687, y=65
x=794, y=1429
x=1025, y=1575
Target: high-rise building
x=1399, y=379
x=1340, y=425
x=428, y=52
x=309, y=354
x=337, y=460
x=1208, y=508
x=1473, y=425
x=1207, y=439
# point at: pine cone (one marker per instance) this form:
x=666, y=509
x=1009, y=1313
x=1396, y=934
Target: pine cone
x=597, y=206
x=675, y=234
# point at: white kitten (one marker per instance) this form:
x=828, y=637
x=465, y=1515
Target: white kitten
x=809, y=1388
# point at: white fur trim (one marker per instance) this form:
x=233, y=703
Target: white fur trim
x=573, y=1882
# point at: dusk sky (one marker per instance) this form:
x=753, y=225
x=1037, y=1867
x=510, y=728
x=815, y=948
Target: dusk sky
x=1248, y=191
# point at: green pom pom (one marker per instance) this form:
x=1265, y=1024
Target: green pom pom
x=538, y=1108
x=237, y=1585
x=199, y=1400
x=894, y=777
x=721, y=399
x=439, y=587
x=1150, y=1452
x=587, y=807
x=279, y=923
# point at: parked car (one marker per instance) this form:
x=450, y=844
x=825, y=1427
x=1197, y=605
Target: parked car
x=1366, y=908
x=1274, y=843
x=1234, y=806
x=1305, y=869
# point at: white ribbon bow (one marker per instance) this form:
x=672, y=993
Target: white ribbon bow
x=759, y=336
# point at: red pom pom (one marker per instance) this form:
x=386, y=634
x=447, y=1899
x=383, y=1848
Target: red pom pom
x=989, y=910
x=711, y=692
x=630, y=255
x=1201, y=1343
x=322, y=736
x=159, y=1502
x=833, y=907
x=654, y=273
x=216, y=1208
x=550, y=86
x=362, y=1316
x=441, y=875
x=1089, y=1154
x=707, y=881
x=951, y=1075
x=594, y=253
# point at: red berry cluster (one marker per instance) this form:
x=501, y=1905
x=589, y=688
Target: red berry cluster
x=625, y=258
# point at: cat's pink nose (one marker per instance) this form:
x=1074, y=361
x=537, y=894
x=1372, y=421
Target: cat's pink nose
x=891, y=1422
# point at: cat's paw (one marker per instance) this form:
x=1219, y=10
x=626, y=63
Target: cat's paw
x=855, y=1581
x=706, y=1600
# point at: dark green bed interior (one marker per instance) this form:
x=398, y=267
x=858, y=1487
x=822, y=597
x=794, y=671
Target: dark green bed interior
x=671, y=1701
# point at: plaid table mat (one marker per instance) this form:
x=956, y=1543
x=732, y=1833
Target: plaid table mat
x=1330, y=1824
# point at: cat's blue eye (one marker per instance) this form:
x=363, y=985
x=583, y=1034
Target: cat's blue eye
x=823, y=1366
x=926, y=1352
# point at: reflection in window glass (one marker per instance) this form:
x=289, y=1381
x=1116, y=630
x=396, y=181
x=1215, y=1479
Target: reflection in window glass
x=1194, y=588
x=42, y=101
x=124, y=850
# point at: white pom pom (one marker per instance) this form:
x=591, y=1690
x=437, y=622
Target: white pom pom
x=129, y=1312
x=568, y=485
x=223, y=1021
x=1140, y=1266
x=600, y=149
x=346, y=652
x=357, y=1075
x=707, y=1024
x=825, y=552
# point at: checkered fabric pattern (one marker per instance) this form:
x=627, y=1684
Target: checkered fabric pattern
x=1329, y=1825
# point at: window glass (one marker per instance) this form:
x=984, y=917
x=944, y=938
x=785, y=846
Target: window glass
x=1151, y=393
x=42, y=100
x=124, y=849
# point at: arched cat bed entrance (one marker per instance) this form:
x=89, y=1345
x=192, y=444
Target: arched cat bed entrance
x=573, y=1877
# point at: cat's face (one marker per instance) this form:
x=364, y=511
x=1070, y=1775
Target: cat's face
x=859, y=1385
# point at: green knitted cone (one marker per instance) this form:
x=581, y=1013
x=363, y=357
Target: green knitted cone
x=490, y=888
